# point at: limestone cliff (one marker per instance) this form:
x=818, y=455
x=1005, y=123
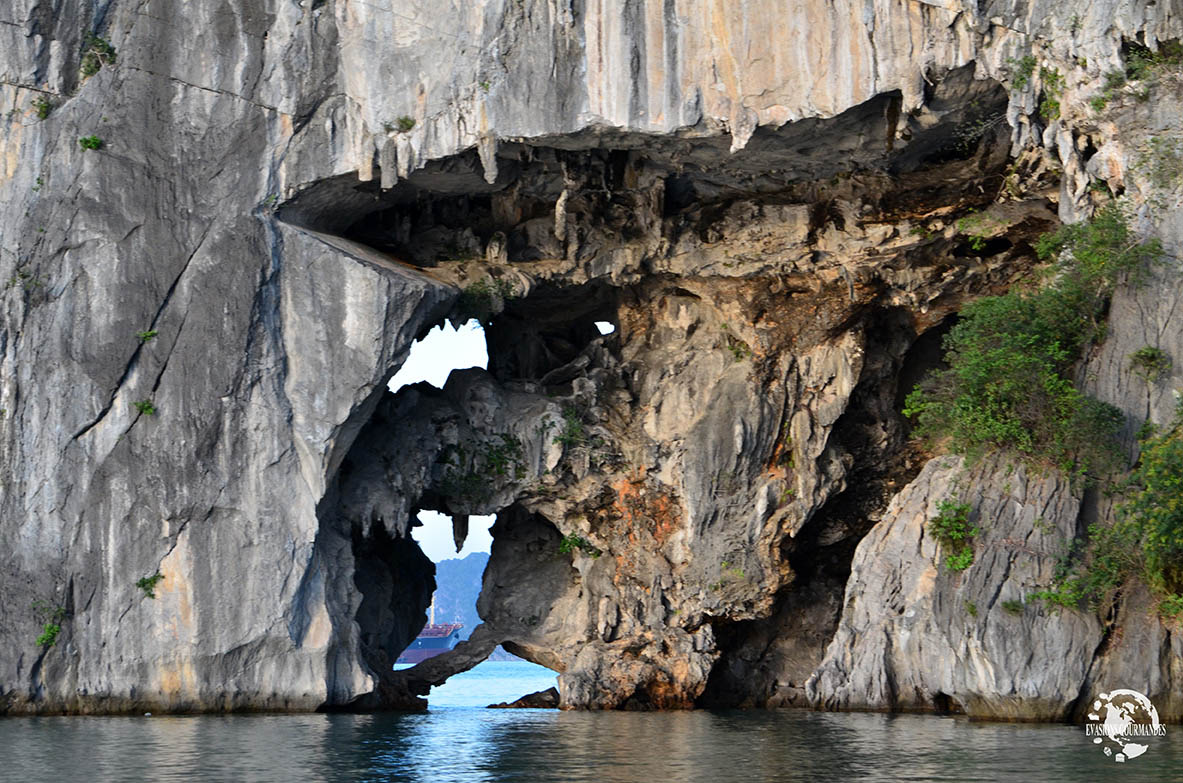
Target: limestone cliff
x=716, y=504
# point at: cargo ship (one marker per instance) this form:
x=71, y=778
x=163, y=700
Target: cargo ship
x=432, y=640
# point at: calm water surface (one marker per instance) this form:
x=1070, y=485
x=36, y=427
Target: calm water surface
x=454, y=742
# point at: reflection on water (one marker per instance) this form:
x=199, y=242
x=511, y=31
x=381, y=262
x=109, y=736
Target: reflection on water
x=469, y=744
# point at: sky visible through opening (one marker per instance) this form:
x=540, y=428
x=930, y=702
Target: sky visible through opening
x=432, y=359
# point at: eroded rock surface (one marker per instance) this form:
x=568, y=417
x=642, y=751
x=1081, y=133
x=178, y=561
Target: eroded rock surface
x=200, y=317
x=918, y=635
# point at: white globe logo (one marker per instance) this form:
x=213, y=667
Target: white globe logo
x=1123, y=720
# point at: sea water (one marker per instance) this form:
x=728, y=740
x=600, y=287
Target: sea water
x=457, y=739
x=491, y=682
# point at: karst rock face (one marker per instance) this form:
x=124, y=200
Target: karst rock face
x=716, y=504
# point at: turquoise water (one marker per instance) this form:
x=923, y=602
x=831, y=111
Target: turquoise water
x=491, y=682
x=471, y=744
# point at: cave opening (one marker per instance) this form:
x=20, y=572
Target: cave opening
x=594, y=268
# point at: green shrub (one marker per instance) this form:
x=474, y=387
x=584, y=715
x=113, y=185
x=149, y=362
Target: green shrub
x=1142, y=63
x=472, y=469
x=49, y=635
x=1049, y=108
x=739, y=349
x=505, y=458
x=572, y=542
x=1115, y=80
x=1155, y=508
x=1171, y=606
x=146, y=335
x=96, y=53
x=1091, y=573
x=1160, y=161
x=1011, y=606
x=485, y=298
x=90, y=143
x=405, y=123
x=52, y=617
x=145, y=407
x=148, y=584
x=572, y=432
x=1145, y=542
x=44, y=107
x=1021, y=71
x=977, y=228
x=961, y=559
x=1150, y=364
x=1008, y=384
x=952, y=529
x=1053, y=88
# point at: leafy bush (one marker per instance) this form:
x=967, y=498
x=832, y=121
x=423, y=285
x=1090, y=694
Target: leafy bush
x=572, y=542
x=1021, y=71
x=52, y=617
x=1171, y=606
x=405, y=123
x=1053, y=88
x=145, y=407
x=505, y=458
x=49, y=635
x=1142, y=63
x=1155, y=508
x=90, y=143
x=1091, y=574
x=1012, y=606
x=1160, y=161
x=1150, y=364
x=1146, y=541
x=572, y=433
x=44, y=107
x=96, y=53
x=146, y=336
x=148, y=584
x=1009, y=380
x=485, y=298
x=952, y=529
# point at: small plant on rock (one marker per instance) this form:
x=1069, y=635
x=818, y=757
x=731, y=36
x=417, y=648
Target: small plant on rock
x=145, y=407
x=572, y=432
x=96, y=53
x=44, y=107
x=148, y=584
x=90, y=143
x=146, y=336
x=1012, y=606
x=1021, y=71
x=952, y=529
x=1053, y=88
x=406, y=123
x=51, y=617
x=1150, y=364
x=485, y=298
x=571, y=542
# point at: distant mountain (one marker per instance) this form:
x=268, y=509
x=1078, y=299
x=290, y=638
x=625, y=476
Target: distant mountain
x=458, y=583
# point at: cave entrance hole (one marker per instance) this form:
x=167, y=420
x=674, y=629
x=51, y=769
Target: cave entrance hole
x=457, y=544
x=443, y=349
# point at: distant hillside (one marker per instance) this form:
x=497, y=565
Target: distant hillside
x=458, y=583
